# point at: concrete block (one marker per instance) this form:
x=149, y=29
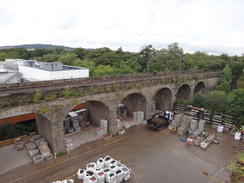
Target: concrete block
x=185, y=124
x=33, y=153
x=44, y=150
x=49, y=157
x=19, y=145
x=196, y=133
x=30, y=146
x=201, y=125
x=181, y=131
x=177, y=120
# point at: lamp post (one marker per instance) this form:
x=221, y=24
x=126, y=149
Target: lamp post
x=178, y=78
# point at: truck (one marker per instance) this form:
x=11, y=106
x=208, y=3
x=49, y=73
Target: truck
x=160, y=119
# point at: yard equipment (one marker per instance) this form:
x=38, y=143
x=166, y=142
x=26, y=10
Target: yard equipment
x=160, y=119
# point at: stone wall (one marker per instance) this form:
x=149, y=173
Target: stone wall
x=102, y=103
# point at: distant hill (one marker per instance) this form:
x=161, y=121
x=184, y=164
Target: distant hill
x=36, y=46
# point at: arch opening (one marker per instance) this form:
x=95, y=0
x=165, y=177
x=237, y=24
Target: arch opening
x=163, y=99
x=132, y=107
x=86, y=122
x=184, y=92
x=200, y=88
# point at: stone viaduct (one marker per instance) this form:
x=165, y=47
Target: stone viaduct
x=102, y=100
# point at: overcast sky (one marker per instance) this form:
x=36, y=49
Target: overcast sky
x=212, y=26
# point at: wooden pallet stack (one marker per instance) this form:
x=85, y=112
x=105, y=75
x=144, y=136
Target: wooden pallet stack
x=217, y=120
x=228, y=122
x=180, y=108
x=206, y=117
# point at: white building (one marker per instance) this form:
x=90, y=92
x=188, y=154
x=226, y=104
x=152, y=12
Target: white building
x=8, y=75
x=15, y=70
x=41, y=71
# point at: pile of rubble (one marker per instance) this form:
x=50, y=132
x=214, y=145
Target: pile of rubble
x=36, y=146
x=104, y=170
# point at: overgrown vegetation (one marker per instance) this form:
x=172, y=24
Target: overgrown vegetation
x=104, y=61
x=221, y=99
x=237, y=168
x=8, y=131
x=37, y=97
x=67, y=92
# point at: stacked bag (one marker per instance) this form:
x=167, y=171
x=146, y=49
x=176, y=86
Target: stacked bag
x=104, y=170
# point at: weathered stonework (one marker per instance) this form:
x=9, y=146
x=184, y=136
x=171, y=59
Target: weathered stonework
x=50, y=114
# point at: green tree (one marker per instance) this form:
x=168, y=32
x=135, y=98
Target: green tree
x=198, y=100
x=3, y=56
x=216, y=101
x=80, y=52
x=125, y=69
x=104, y=70
x=225, y=79
x=59, y=51
x=67, y=59
x=147, y=53
x=40, y=52
x=50, y=58
x=236, y=106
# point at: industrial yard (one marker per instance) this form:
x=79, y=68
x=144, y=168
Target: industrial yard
x=153, y=156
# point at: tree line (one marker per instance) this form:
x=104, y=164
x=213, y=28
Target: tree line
x=222, y=99
x=104, y=61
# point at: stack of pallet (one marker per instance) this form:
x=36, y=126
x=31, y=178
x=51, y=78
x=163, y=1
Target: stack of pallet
x=194, y=113
x=185, y=124
x=199, y=130
x=206, y=117
x=74, y=120
x=121, y=111
x=180, y=108
x=104, y=124
x=138, y=117
x=193, y=126
x=100, y=132
x=217, y=120
x=177, y=120
x=67, y=125
x=228, y=122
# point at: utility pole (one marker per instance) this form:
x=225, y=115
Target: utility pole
x=179, y=54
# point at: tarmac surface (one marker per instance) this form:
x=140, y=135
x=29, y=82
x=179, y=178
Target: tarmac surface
x=153, y=156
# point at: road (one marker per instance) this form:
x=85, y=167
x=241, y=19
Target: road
x=153, y=156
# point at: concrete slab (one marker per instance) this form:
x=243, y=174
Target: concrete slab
x=11, y=158
x=81, y=138
x=154, y=156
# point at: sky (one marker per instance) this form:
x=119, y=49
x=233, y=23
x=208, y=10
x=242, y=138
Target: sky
x=211, y=26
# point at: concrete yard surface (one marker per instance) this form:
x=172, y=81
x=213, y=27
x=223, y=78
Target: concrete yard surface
x=153, y=156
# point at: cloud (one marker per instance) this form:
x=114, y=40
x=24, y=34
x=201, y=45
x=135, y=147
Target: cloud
x=212, y=26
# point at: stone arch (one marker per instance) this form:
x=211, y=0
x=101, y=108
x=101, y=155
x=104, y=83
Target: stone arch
x=135, y=102
x=184, y=92
x=163, y=99
x=200, y=88
x=96, y=111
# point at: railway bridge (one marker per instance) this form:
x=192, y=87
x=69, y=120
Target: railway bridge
x=51, y=101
